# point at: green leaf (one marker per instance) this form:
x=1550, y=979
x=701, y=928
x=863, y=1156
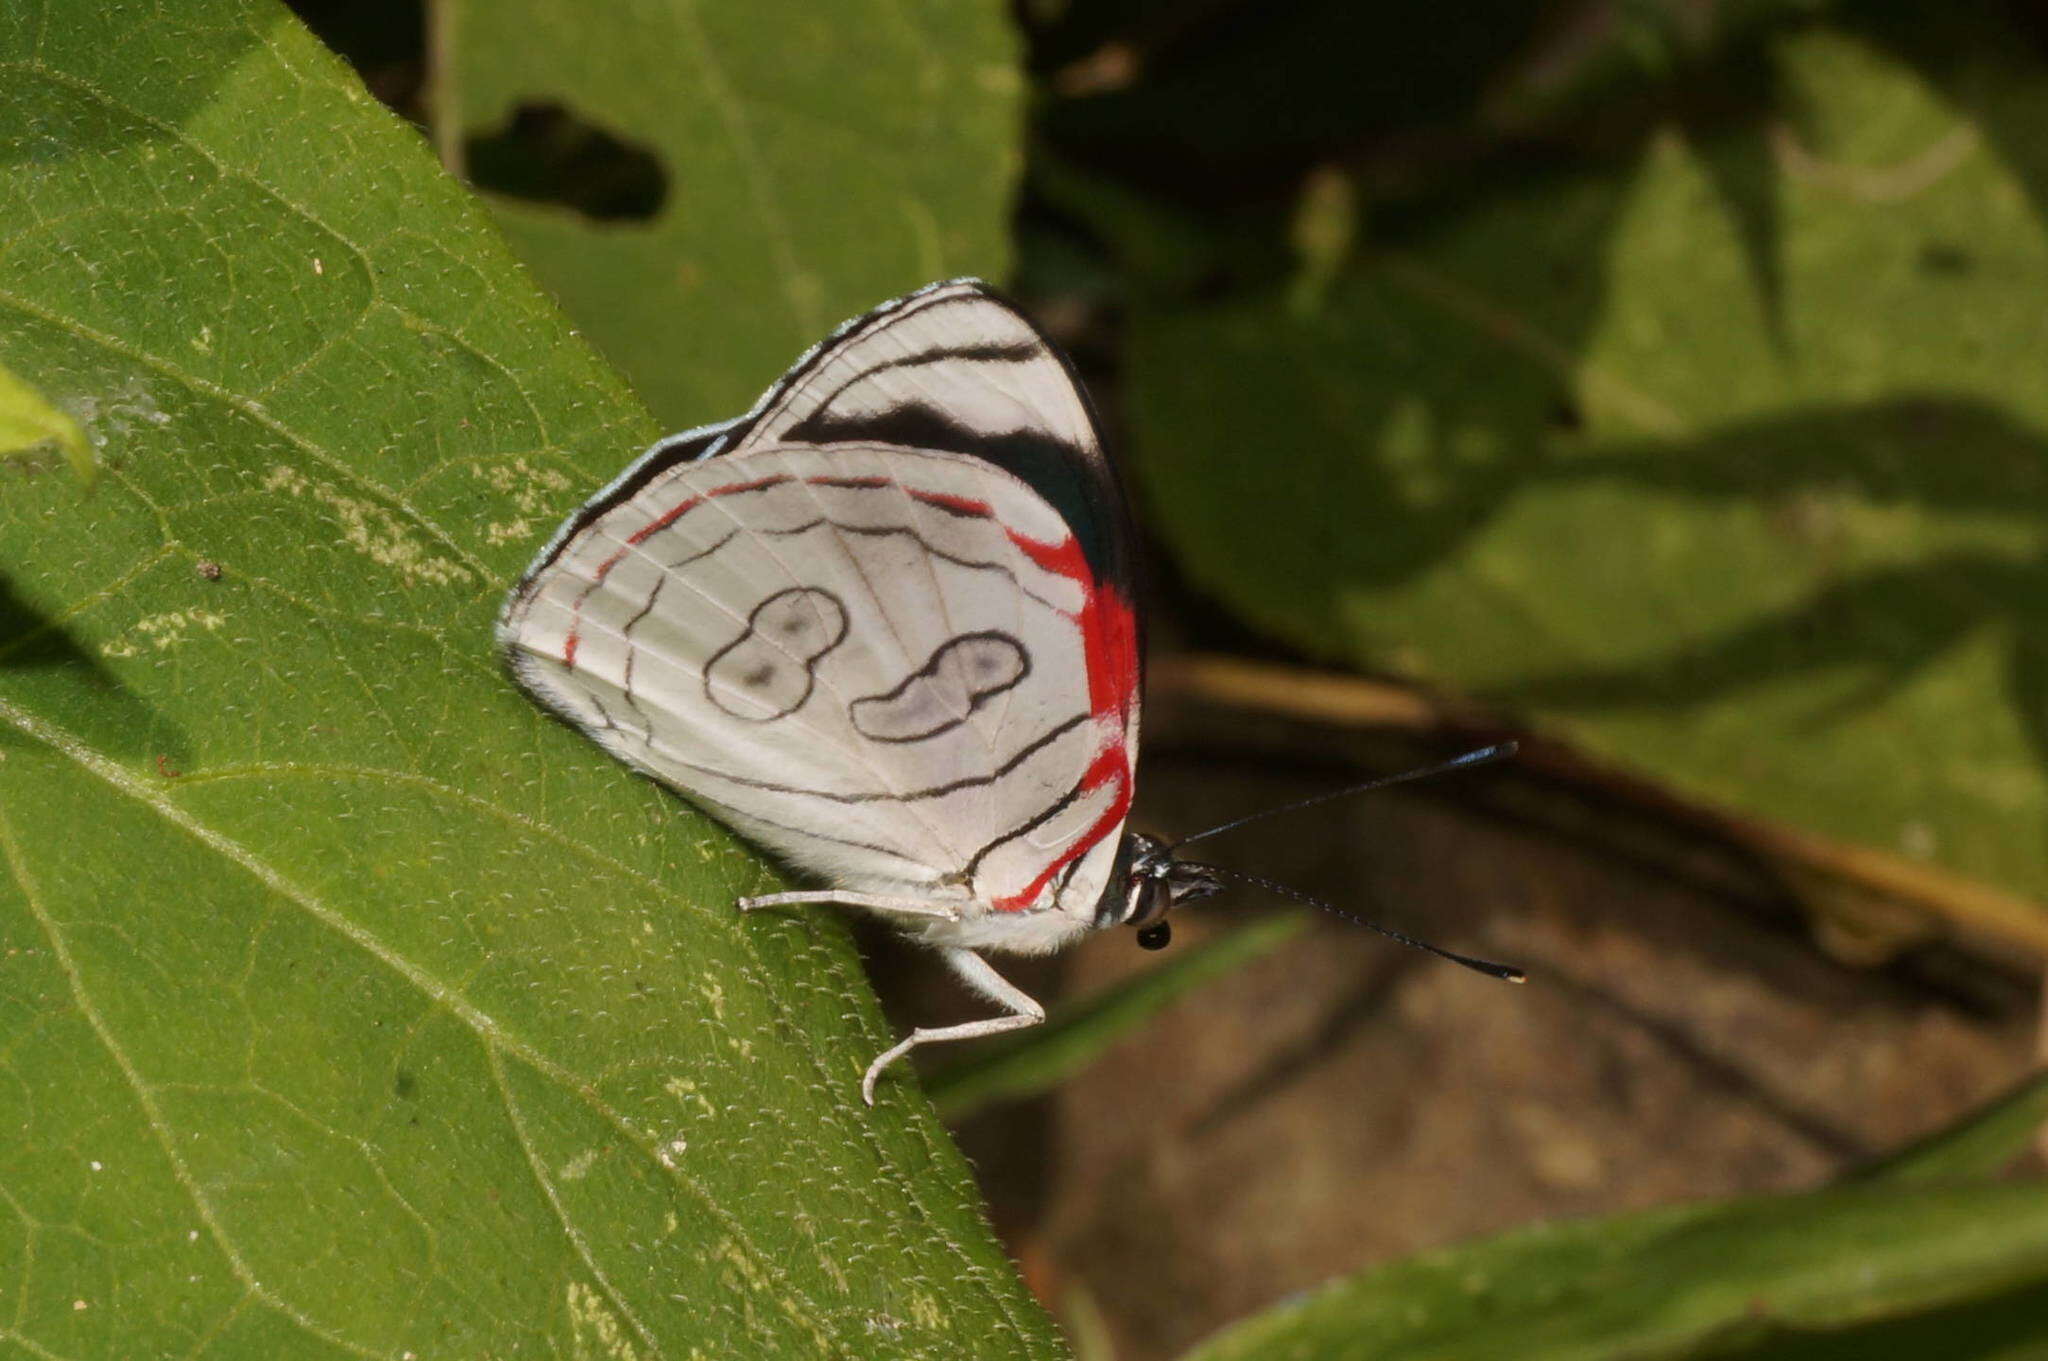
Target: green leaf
x=1979, y=1145
x=1036, y=1060
x=1726, y=462
x=348, y=1005
x=27, y=422
x=818, y=159
x=1728, y=1279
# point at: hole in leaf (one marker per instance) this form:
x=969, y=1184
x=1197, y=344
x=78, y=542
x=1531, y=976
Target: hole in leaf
x=548, y=154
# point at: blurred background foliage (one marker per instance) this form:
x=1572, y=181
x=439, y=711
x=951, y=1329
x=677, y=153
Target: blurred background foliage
x=1656, y=377
x=1685, y=408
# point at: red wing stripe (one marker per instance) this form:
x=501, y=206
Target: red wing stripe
x=664, y=520
x=646, y=531
x=1108, y=765
x=958, y=505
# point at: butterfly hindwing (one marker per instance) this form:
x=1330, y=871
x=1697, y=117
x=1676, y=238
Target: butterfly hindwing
x=894, y=663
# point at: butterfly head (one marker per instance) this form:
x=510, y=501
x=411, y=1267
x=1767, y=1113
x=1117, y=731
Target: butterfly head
x=1148, y=884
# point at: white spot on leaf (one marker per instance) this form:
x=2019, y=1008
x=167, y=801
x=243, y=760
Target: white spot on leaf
x=593, y=1322
x=533, y=490
x=370, y=529
x=925, y=1312
x=685, y=1091
x=161, y=632
x=118, y=413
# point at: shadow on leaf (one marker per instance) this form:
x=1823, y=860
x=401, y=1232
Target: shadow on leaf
x=38, y=656
x=1882, y=625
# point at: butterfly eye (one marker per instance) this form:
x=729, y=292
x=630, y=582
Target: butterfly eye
x=1157, y=936
x=1150, y=897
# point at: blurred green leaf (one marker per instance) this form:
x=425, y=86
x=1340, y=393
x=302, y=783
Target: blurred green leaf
x=1032, y=1061
x=1729, y=462
x=818, y=159
x=349, y=1006
x=27, y=422
x=1981, y=1144
x=1745, y=1278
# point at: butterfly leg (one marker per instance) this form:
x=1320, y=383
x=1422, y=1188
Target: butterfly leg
x=979, y=975
x=840, y=897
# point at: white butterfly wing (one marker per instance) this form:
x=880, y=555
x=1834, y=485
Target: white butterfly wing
x=894, y=665
x=949, y=356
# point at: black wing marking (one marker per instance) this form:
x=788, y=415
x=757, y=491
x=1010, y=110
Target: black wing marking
x=962, y=674
x=878, y=379
x=773, y=662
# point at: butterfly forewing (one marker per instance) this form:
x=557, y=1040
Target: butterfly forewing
x=952, y=367
x=895, y=663
x=950, y=355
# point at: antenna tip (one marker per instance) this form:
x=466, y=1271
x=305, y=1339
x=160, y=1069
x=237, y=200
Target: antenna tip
x=1506, y=973
x=1499, y=751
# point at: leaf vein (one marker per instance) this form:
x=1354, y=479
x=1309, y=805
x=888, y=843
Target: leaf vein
x=145, y=1099
x=255, y=412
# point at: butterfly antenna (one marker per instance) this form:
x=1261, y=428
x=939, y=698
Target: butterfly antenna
x=1507, y=973
x=1500, y=751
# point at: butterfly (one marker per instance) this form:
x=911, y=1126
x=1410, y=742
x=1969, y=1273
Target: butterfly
x=882, y=624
